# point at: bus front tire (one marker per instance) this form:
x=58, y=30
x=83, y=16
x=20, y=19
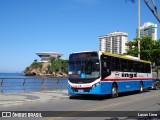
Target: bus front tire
x=114, y=91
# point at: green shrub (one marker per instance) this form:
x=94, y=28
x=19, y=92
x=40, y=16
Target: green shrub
x=36, y=65
x=58, y=65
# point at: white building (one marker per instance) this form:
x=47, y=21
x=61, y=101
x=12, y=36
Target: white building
x=46, y=56
x=148, y=29
x=114, y=42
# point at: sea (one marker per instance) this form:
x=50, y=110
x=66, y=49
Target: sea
x=16, y=82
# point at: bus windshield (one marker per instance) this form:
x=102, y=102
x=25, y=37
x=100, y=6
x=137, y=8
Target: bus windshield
x=84, y=65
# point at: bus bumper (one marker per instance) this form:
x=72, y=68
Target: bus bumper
x=98, y=90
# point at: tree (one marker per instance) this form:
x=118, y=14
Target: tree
x=58, y=65
x=133, y=49
x=36, y=65
x=146, y=48
x=35, y=60
x=156, y=55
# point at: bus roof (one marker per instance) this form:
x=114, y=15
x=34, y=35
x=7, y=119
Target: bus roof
x=125, y=57
x=83, y=52
x=128, y=57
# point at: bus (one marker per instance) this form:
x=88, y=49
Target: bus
x=103, y=73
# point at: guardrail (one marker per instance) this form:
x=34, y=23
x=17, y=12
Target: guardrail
x=31, y=84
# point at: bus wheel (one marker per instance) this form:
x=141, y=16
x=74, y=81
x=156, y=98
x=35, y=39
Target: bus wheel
x=114, y=91
x=141, y=87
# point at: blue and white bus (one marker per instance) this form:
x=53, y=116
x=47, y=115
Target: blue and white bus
x=102, y=73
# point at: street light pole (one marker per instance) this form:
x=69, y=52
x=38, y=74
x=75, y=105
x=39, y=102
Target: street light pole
x=139, y=38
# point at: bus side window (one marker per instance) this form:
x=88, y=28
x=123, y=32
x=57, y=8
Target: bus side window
x=141, y=67
x=147, y=68
x=124, y=65
x=135, y=66
x=113, y=68
x=105, y=67
x=117, y=64
x=130, y=65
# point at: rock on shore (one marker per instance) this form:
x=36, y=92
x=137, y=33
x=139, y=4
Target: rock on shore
x=42, y=71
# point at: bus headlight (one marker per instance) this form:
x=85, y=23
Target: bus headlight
x=97, y=84
x=93, y=86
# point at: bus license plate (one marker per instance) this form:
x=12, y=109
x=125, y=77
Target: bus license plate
x=80, y=90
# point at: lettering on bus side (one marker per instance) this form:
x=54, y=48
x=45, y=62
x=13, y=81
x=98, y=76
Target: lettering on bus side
x=130, y=75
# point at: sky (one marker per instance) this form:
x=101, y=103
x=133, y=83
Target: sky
x=63, y=26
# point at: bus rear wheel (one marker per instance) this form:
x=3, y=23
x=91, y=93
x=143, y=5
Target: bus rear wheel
x=141, y=89
x=114, y=92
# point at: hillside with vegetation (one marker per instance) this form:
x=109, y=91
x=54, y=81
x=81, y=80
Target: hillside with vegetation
x=52, y=68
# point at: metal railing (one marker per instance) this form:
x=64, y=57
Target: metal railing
x=31, y=84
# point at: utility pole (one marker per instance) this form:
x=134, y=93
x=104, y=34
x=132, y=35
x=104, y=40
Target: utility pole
x=139, y=38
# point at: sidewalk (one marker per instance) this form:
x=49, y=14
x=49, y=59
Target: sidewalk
x=7, y=99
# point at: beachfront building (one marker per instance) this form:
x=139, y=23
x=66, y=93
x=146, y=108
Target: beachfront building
x=46, y=56
x=114, y=42
x=148, y=29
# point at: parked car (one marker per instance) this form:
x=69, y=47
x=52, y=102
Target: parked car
x=156, y=84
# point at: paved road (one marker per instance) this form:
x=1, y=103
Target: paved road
x=11, y=99
x=144, y=103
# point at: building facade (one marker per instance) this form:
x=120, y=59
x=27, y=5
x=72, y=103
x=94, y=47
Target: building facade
x=148, y=29
x=46, y=56
x=114, y=42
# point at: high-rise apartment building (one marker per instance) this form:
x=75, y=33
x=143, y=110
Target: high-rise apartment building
x=148, y=29
x=114, y=42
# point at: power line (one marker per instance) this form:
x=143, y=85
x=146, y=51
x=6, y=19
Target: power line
x=154, y=11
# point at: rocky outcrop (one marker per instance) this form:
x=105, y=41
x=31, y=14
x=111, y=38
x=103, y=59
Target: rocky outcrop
x=42, y=71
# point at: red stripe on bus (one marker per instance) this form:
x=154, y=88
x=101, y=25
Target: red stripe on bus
x=125, y=79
